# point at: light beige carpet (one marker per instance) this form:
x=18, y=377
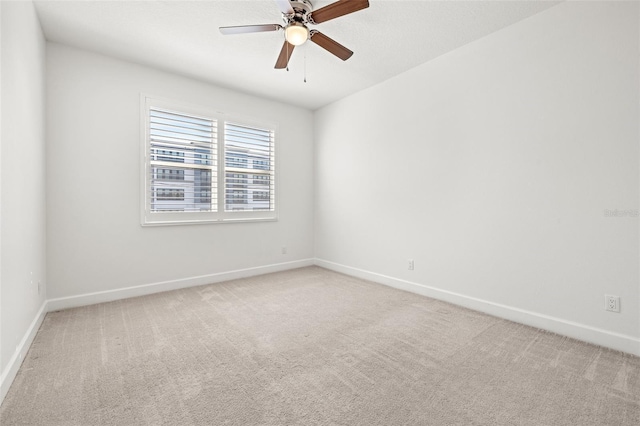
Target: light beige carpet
x=311, y=347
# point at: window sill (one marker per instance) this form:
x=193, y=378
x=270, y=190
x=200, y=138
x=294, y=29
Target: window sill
x=207, y=221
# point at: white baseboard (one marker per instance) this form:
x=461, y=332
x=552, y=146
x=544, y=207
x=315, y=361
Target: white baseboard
x=609, y=339
x=11, y=370
x=141, y=290
x=583, y=332
x=9, y=374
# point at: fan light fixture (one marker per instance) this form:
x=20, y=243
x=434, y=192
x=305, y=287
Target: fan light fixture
x=296, y=15
x=296, y=33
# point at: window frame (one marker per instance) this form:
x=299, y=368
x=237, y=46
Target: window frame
x=150, y=218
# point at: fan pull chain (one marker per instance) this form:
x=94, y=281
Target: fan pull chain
x=305, y=64
x=287, y=44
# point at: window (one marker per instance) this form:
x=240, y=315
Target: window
x=183, y=181
x=248, y=167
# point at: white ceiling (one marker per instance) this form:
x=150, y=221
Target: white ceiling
x=388, y=38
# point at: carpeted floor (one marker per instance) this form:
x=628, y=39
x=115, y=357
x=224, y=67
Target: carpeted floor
x=311, y=347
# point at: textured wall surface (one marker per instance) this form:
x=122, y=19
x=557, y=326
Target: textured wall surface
x=493, y=167
x=23, y=176
x=94, y=238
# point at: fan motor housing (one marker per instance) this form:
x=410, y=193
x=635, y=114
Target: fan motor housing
x=302, y=9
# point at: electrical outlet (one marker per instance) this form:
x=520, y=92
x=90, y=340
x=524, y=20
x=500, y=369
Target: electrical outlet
x=39, y=287
x=410, y=265
x=284, y=250
x=612, y=303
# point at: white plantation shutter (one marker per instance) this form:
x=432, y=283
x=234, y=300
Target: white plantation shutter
x=182, y=153
x=200, y=166
x=249, y=168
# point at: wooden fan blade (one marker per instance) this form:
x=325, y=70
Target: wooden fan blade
x=285, y=7
x=244, y=29
x=330, y=45
x=285, y=55
x=337, y=9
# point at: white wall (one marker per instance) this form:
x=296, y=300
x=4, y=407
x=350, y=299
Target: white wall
x=1, y=362
x=492, y=166
x=22, y=174
x=95, y=242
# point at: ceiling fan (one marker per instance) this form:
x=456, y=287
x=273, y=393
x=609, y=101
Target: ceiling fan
x=297, y=16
